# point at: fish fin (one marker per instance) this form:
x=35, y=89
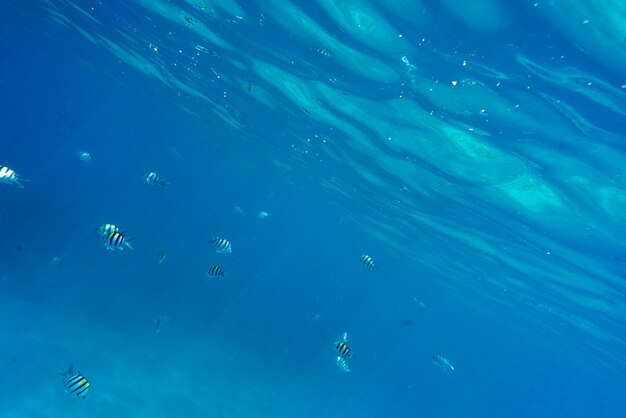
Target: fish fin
x=127, y=243
x=17, y=181
x=68, y=372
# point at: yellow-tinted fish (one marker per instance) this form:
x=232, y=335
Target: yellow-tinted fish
x=106, y=229
x=116, y=241
x=75, y=383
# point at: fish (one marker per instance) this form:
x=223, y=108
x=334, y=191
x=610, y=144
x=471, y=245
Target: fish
x=75, y=383
x=9, y=176
x=263, y=214
x=158, y=321
x=343, y=364
x=84, y=156
x=215, y=271
x=325, y=52
x=116, y=241
x=57, y=262
x=344, y=355
x=205, y=50
x=154, y=179
x=161, y=256
x=368, y=262
x=419, y=305
x=222, y=245
x=443, y=363
x=105, y=229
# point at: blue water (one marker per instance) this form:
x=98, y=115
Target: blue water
x=473, y=149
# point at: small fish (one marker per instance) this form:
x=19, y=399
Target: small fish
x=443, y=363
x=84, y=156
x=325, y=52
x=215, y=271
x=9, y=176
x=57, y=262
x=75, y=383
x=343, y=364
x=343, y=349
x=344, y=356
x=368, y=262
x=263, y=214
x=161, y=256
x=420, y=306
x=469, y=82
x=106, y=229
x=157, y=324
x=222, y=245
x=238, y=211
x=154, y=179
x=205, y=50
x=116, y=241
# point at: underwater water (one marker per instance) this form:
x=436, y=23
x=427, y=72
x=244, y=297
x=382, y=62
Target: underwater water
x=473, y=150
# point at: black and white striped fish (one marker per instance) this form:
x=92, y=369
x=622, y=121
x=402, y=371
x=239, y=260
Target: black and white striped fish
x=342, y=349
x=368, y=262
x=215, y=271
x=105, y=229
x=154, y=179
x=9, y=176
x=222, y=245
x=344, y=355
x=116, y=240
x=75, y=383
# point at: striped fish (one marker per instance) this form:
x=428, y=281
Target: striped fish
x=342, y=363
x=75, y=383
x=368, y=262
x=222, y=245
x=154, y=179
x=9, y=176
x=344, y=356
x=343, y=350
x=215, y=271
x=106, y=229
x=116, y=240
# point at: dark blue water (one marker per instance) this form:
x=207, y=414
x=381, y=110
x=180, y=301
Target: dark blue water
x=478, y=158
